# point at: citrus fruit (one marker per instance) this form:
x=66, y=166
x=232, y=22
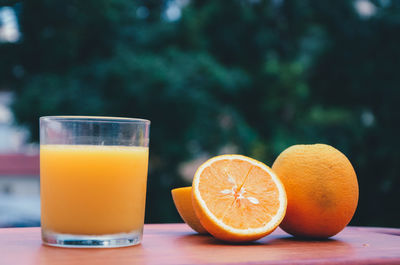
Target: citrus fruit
x=183, y=202
x=237, y=198
x=321, y=187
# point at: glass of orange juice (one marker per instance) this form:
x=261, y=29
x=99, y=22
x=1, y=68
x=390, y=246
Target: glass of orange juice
x=93, y=174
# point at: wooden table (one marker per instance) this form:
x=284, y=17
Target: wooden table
x=177, y=244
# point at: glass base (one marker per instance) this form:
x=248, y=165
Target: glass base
x=91, y=241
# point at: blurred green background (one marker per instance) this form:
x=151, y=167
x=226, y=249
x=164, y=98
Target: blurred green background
x=250, y=77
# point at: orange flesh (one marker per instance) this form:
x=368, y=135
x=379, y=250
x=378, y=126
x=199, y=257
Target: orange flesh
x=240, y=194
x=183, y=202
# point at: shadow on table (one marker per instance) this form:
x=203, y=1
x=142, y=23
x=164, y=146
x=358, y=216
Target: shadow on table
x=271, y=248
x=268, y=240
x=48, y=255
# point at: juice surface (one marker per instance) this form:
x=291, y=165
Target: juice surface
x=92, y=190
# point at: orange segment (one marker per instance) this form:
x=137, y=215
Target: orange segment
x=265, y=193
x=238, y=198
x=183, y=202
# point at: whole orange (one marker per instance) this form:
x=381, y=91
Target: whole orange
x=321, y=187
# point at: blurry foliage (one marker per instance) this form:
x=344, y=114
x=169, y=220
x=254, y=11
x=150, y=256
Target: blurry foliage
x=256, y=75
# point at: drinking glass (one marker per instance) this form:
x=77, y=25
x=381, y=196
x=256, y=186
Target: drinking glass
x=93, y=174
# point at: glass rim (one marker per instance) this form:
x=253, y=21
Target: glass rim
x=97, y=119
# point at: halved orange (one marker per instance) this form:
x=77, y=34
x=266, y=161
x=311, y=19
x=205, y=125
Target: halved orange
x=237, y=198
x=183, y=202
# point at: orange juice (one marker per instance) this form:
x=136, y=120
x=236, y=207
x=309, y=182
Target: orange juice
x=93, y=190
